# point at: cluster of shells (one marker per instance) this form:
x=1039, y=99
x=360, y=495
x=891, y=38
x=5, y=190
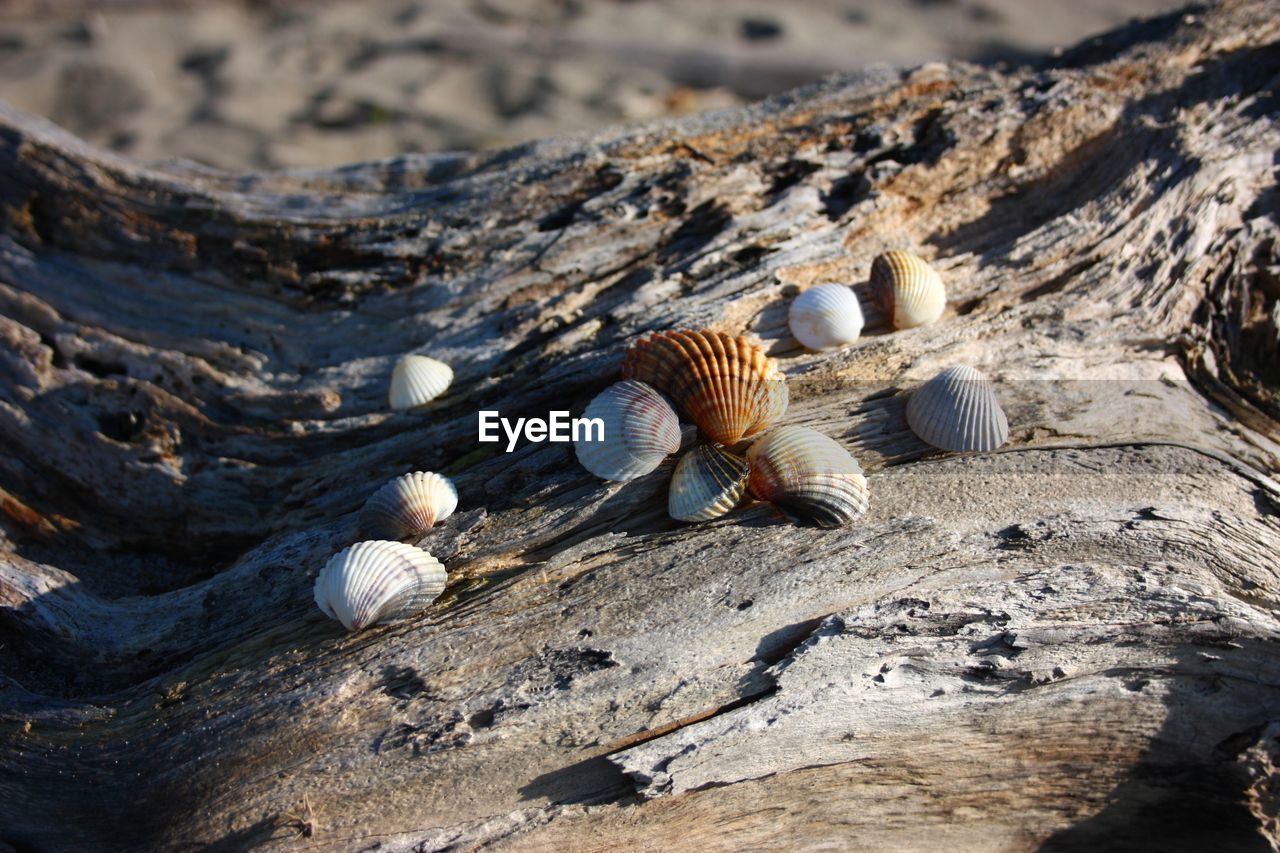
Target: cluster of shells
x=732, y=392
x=736, y=396
x=957, y=410
x=383, y=579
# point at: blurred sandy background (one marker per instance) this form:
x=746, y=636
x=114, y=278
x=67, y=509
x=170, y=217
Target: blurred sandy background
x=246, y=85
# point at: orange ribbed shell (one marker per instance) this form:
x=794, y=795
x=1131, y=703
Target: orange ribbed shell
x=726, y=384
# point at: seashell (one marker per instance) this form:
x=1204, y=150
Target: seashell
x=909, y=291
x=417, y=380
x=708, y=482
x=409, y=506
x=729, y=387
x=827, y=316
x=377, y=581
x=807, y=475
x=640, y=430
x=958, y=410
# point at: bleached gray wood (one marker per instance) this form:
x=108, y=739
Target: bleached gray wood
x=1070, y=641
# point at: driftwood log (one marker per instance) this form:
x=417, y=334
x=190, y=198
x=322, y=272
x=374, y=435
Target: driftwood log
x=1069, y=642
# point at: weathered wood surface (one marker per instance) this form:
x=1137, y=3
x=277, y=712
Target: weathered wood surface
x=1071, y=641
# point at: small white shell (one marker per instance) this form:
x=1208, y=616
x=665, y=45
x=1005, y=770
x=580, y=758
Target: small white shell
x=909, y=291
x=377, y=581
x=708, y=482
x=826, y=316
x=417, y=380
x=409, y=505
x=640, y=430
x=957, y=410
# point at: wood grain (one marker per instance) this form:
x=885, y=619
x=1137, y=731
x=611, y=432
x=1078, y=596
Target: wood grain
x=1070, y=642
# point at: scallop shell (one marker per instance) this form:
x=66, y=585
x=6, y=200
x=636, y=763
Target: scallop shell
x=708, y=482
x=824, y=317
x=377, y=581
x=909, y=291
x=958, y=410
x=808, y=476
x=409, y=506
x=640, y=430
x=417, y=380
x=729, y=387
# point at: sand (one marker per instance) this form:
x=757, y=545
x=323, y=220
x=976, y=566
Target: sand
x=240, y=85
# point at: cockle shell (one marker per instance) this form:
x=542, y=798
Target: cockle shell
x=957, y=410
x=708, y=482
x=378, y=581
x=808, y=476
x=826, y=316
x=910, y=292
x=409, y=505
x=729, y=387
x=640, y=430
x=417, y=380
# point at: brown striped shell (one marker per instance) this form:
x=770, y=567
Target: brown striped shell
x=726, y=384
x=910, y=292
x=808, y=476
x=708, y=482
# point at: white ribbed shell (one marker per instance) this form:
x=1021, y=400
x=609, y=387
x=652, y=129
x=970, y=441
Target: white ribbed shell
x=417, y=380
x=409, y=505
x=640, y=430
x=708, y=482
x=377, y=581
x=808, y=475
x=909, y=291
x=824, y=317
x=957, y=410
